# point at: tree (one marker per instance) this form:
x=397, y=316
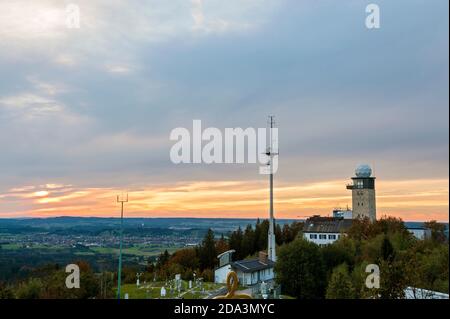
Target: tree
x=248, y=241
x=6, y=292
x=361, y=229
x=207, y=251
x=222, y=245
x=392, y=272
x=389, y=225
x=30, y=289
x=186, y=258
x=340, y=285
x=392, y=280
x=341, y=251
x=261, y=240
x=437, y=231
x=300, y=270
x=235, y=243
x=278, y=234
x=162, y=260
x=387, y=250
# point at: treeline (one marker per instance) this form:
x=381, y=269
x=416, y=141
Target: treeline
x=49, y=282
x=252, y=240
x=202, y=260
x=338, y=271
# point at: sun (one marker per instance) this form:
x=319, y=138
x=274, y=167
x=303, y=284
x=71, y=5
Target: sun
x=41, y=194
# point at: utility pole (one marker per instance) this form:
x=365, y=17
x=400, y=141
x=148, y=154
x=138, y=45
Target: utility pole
x=121, y=200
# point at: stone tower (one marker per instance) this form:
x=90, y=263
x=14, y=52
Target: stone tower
x=363, y=193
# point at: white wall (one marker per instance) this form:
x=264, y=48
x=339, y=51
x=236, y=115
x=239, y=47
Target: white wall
x=220, y=274
x=248, y=279
x=322, y=241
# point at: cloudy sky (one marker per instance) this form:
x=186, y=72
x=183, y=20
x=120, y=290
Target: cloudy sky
x=86, y=113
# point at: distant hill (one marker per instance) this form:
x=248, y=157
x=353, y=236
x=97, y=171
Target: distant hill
x=97, y=224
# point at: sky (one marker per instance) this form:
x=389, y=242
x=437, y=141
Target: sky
x=86, y=113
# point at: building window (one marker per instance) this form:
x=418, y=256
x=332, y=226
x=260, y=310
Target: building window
x=322, y=236
x=331, y=236
x=313, y=236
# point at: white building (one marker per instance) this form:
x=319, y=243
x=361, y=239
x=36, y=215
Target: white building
x=325, y=230
x=249, y=271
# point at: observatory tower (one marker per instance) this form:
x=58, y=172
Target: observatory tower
x=363, y=193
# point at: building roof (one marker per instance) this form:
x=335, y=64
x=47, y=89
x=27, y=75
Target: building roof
x=251, y=265
x=318, y=224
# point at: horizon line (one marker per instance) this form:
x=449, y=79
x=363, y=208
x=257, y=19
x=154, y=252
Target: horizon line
x=190, y=217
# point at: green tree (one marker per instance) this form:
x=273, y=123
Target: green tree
x=387, y=250
x=207, y=251
x=248, y=242
x=340, y=285
x=300, y=270
x=30, y=289
x=341, y=251
x=235, y=242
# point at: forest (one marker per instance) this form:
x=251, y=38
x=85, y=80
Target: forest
x=304, y=270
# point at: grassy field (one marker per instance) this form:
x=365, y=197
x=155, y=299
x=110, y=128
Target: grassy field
x=153, y=291
x=138, y=250
x=135, y=250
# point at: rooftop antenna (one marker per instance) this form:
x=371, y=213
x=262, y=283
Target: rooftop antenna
x=271, y=153
x=120, y=199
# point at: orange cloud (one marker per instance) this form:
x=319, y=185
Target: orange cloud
x=409, y=200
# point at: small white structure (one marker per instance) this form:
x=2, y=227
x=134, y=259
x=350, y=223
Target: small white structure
x=249, y=271
x=163, y=292
x=343, y=213
x=418, y=293
x=325, y=230
x=420, y=232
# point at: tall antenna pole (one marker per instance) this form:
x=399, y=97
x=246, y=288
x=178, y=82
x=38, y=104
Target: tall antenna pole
x=271, y=233
x=119, y=272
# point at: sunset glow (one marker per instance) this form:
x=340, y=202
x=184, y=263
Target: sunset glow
x=410, y=200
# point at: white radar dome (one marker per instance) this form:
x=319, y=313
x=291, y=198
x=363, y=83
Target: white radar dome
x=363, y=170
